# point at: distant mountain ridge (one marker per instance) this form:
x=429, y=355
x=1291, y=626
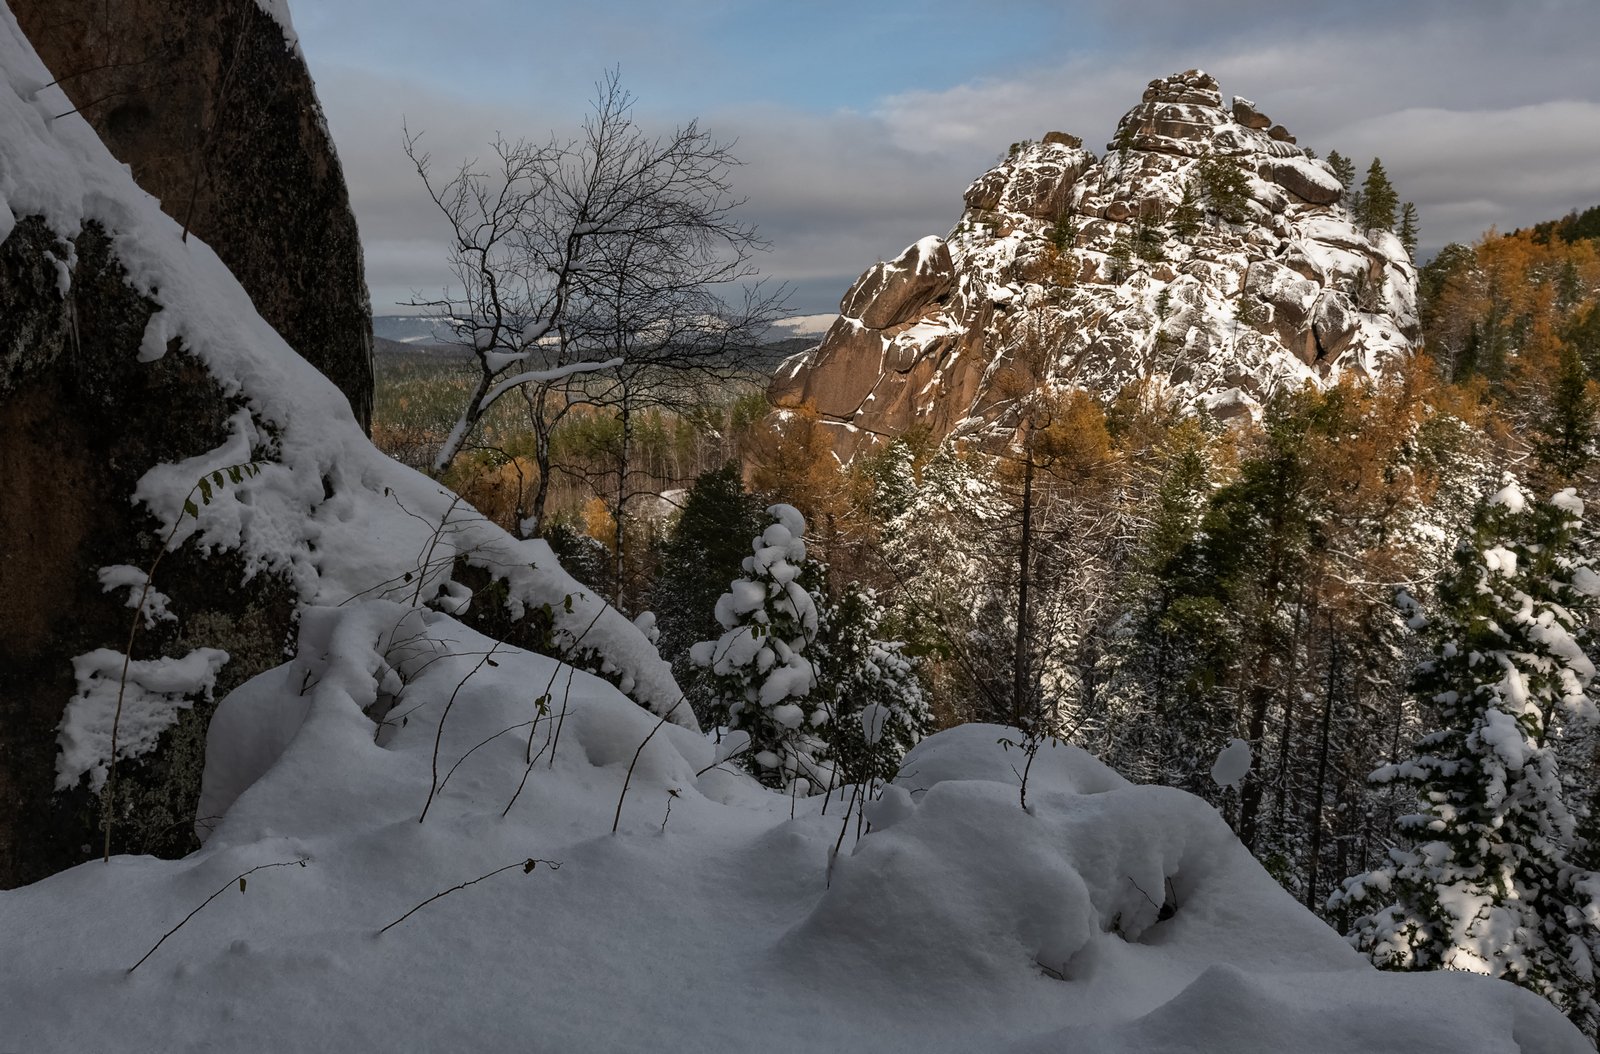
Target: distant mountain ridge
x=1206, y=252
x=423, y=334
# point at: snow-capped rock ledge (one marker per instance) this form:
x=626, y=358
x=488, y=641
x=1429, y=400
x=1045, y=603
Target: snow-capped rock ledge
x=1291, y=293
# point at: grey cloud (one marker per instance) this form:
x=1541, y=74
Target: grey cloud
x=1460, y=138
x=1483, y=113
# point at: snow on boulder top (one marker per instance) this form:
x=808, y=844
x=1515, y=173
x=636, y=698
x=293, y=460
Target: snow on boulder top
x=1136, y=265
x=326, y=509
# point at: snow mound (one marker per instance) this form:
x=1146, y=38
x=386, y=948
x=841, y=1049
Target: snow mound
x=401, y=755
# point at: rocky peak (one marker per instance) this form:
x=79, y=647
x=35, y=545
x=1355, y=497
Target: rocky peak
x=1206, y=252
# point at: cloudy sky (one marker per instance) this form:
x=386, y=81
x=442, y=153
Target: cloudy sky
x=860, y=123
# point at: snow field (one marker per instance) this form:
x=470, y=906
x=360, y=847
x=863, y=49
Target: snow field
x=1106, y=917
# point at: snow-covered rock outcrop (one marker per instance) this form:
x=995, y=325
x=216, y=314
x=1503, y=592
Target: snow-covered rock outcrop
x=151, y=419
x=172, y=86
x=1068, y=269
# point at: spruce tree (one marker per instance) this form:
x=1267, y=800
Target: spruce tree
x=1185, y=218
x=1408, y=228
x=1378, y=199
x=1120, y=257
x=1224, y=187
x=875, y=693
x=1344, y=170
x=1490, y=884
x=1147, y=239
x=1565, y=442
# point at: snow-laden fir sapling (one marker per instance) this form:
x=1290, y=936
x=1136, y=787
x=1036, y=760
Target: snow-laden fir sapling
x=205, y=487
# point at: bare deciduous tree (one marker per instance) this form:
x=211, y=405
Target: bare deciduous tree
x=600, y=255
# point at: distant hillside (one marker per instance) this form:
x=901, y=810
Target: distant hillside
x=1509, y=308
x=412, y=329
x=1575, y=226
x=385, y=347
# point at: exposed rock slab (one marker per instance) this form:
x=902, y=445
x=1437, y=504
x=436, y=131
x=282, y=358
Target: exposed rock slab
x=153, y=424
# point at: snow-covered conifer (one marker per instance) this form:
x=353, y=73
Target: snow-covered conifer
x=880, y=708
x=1490, y=884
x=703, y=549
x=759, y=666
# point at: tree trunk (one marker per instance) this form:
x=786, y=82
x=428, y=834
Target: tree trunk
x=1315, y=817
x=1019, y=670
x=619, y=510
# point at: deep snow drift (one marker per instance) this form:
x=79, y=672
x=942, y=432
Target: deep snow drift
x=1106, y=917
x=695, y=911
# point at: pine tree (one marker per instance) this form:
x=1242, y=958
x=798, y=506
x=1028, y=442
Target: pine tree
x=1490, y=885
x=1378, y=199
x=1224, y=187
x=1408, y=228
x=1147, y=239
x=1064, y=233
x=760, y=670
x=1150, y=728
x=1565, y=443
x=1344, y=170
x=1120, y=257
x=949, y=585
x=1185, y=218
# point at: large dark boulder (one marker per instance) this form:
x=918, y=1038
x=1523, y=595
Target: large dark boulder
x=81, y=421
x=213, y=109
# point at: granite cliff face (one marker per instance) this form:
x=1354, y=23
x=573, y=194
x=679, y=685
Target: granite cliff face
x=212, y=108
x=1206, y=252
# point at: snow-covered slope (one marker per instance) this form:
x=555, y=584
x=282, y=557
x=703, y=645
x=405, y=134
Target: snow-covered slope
x=1105, y=917
x=1067, y=269
x=320, y=506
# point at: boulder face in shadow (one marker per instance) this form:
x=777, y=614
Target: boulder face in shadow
x=81, y=421
x=214, y=111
